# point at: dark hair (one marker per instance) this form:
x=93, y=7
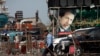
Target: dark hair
x=46, y=31
x=62, y=11
x=6, y=34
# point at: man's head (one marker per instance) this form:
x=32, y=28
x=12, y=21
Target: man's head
x=45, y=32
x=66, y=17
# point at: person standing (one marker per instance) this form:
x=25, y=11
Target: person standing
x=16, y=40
x=48, y=43
x=66, y=18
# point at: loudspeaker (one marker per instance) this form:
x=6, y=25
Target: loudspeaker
x=56, y=3
x=87, y=2
x=53, y=3
x=63, y=3
x=79, y=2
x=50, y=3
x=70, y=2
x=96, y=2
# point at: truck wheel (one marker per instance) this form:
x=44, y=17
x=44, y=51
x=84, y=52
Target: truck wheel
x=58, y=50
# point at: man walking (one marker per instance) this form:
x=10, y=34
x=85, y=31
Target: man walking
x=48, y=43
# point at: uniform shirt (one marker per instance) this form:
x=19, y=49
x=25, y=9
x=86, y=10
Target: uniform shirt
x=66, y=29
x=49, y=39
